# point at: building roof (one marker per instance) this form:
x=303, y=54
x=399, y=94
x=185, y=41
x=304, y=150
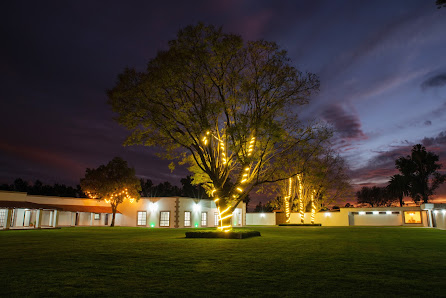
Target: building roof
x=25, y=204
x=72, y=208
x=80, y=208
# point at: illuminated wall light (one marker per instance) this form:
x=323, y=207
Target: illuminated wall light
x=197, y=207
x=196, y=225
x=444, y=211
x=153, y=206
x=435, y=211
x=388, y=212
x=327, y=214
x=262, y=214
x=361, y=213
x=375, y=212
x=152, y=225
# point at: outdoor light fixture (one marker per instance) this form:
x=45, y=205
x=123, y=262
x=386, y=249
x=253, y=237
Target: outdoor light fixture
x=388, y=212
x=444, y=211
x=152, y=225
x=435, y=211
x=361, y=212
x=196, y=225
x=375, y=212
x=327, y=214
x=262, y=214
x=153, y=207
x=197, y=207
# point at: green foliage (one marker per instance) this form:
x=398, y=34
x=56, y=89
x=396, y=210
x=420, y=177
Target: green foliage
x=204, y=100
x=113, y=182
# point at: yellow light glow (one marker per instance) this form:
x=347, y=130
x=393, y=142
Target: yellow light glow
x=227, y=216
x=216, y=200
x=239, y=189
x=243, y=181
x=247, y=169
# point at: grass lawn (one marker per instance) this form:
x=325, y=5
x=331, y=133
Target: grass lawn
x=284, y=261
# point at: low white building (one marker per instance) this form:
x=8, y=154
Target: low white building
x=19, y=211
x=426, y=215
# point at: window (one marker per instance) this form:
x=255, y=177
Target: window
x=412, y=217
x=2, y=217
x=216, y=219
x=164, y=218
x=204, y=219
x=187, y=218
x=142, y=218
x=97, y=216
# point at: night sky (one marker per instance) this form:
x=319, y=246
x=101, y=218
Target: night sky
x=382, y=66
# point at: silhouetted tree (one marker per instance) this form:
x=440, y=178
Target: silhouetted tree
x=440, y=3
x=21, y=185
x=375, y=196
x=398, y=188
x=420, y=171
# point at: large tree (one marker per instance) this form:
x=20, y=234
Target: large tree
x=420, y=171
x=225, y=107
x=398, y=188
x=374, y=196
x=114, y=183
x=321, y=180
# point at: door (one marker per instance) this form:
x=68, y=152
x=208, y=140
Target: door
x=106, y=219
x=26, y=218
x=76, y=221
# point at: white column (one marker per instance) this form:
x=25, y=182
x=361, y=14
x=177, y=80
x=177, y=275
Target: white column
x=430, y=214
x=91, y=218
x=8, y=219
x=55, y=219
x=38, y=219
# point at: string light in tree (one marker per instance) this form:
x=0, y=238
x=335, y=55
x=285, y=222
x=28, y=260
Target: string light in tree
x=287, y=201
x=124, y=194
x=313, y=207
x=301, y=200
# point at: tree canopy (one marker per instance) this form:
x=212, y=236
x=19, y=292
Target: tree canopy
x=114, y=183
x=420, y=171
x=226, y=107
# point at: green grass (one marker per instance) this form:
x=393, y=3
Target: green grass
x=284, y=261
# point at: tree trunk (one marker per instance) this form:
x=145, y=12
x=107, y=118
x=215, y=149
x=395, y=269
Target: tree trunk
x=302, y=212
x=401, y=201
x=114, y=214
x=225, y=216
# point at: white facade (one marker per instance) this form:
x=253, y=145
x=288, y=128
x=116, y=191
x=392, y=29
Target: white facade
x=426, y=215
x=25, y=211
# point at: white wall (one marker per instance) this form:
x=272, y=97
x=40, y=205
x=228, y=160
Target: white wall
x=263, y=219
x=440, y=218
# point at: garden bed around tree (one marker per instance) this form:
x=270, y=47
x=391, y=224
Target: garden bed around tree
x=234, y=234
x=300, y=225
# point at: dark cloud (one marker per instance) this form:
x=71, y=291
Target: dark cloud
x=346, y=125
x=428, y=123
x=435, y=81
x=439, y=140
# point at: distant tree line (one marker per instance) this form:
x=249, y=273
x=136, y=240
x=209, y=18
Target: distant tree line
x=38, y=188
x=149, y=189
x=419, y=178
